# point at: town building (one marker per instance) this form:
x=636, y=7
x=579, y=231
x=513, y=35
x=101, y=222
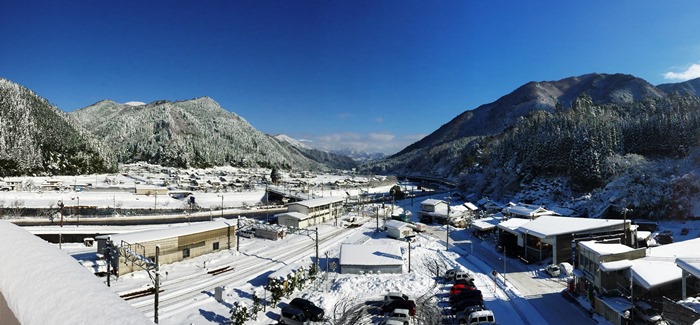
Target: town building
x=176, y=243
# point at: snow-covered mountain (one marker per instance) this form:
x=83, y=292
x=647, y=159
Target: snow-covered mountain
x=327, y=158
x=196, y=133
x=37, y=138
x=360, y=156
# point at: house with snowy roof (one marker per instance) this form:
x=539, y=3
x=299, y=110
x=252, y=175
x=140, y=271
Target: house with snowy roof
x=294, y=220
x=176, y=243
x=661, y=274
x=432, y=210
x=368, y=259
x=320, y=209
x=526, y=211
x=551, y=236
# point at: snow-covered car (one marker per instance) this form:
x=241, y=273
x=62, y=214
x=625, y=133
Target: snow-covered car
x=401, y=315
x=553, y=270
x=395, y=295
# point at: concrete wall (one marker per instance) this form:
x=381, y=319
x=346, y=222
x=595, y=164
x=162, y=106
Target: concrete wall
x=384, y=269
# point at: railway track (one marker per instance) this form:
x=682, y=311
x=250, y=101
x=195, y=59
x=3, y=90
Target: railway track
x=178, y=292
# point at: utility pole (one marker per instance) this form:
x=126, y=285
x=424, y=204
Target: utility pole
x=409, y=254
x=504, y=264
x=222, y=205
x=377, y=208
x=60, y=233
x=238, y=237
x=447, y=242
x=316, y=249
x=156, y=285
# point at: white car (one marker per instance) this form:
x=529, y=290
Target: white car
x=552, y=270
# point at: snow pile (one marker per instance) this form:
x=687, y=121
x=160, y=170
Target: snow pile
x=43, y=285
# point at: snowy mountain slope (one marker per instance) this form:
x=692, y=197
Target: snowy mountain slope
x=494, y=118
x=691, y=87
x=329, y=159
x=38, y=138
x=197, y=133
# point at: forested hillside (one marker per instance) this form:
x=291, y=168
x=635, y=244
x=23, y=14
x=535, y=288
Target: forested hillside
x=189, y=133
x=38, y=139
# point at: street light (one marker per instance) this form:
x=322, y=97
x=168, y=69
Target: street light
x=408, y=240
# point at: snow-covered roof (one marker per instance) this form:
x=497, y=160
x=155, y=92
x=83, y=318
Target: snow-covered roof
x=485, y=223
x=659, y=266
x=397, y=224
x=296, y=215
x=55, y=288
x=691, y=265
x=470, y=206
x=546, y=226
x=528, y=210
x=615, y=265
x=606, y=248
x=370, y=255
x=175, y=231
x=318, y=202
x=512, y=225
x=432, y=202
x=618, y=304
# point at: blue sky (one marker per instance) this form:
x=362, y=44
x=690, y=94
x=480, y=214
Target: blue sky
x=372, y=75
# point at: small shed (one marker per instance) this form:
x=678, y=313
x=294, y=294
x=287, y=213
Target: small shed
x=397, y=229
x=359, y=259
x=293, y=219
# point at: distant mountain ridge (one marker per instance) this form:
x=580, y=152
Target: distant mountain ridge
x=196, y=133
x=436, y=152
x=327, y=158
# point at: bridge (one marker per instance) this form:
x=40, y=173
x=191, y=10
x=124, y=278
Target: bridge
x=429, y=180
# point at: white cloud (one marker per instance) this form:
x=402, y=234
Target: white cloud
x=692, y=72
x=379, y=119
x=344, y=116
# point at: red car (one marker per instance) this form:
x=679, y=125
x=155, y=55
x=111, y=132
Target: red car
x=389, y=306
x=457, y=288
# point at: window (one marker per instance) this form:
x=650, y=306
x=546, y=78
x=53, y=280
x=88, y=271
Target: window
x=215, y=246
x=185, y=253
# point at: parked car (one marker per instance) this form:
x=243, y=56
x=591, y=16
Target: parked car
x=310, y=310
x=401, y=315
x=390, y=305
x=465, y=299
x=395, y=295
x=292, y=316
x=646, y=312
x=478, y=317
x=450, y=274
x=553, y=270
x=463, y=275
x=457, y=288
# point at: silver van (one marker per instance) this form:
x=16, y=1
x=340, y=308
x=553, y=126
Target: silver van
x=292, y=316
x=463, y=275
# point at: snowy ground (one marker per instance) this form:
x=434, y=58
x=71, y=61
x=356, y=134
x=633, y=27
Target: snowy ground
x=527, y=297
